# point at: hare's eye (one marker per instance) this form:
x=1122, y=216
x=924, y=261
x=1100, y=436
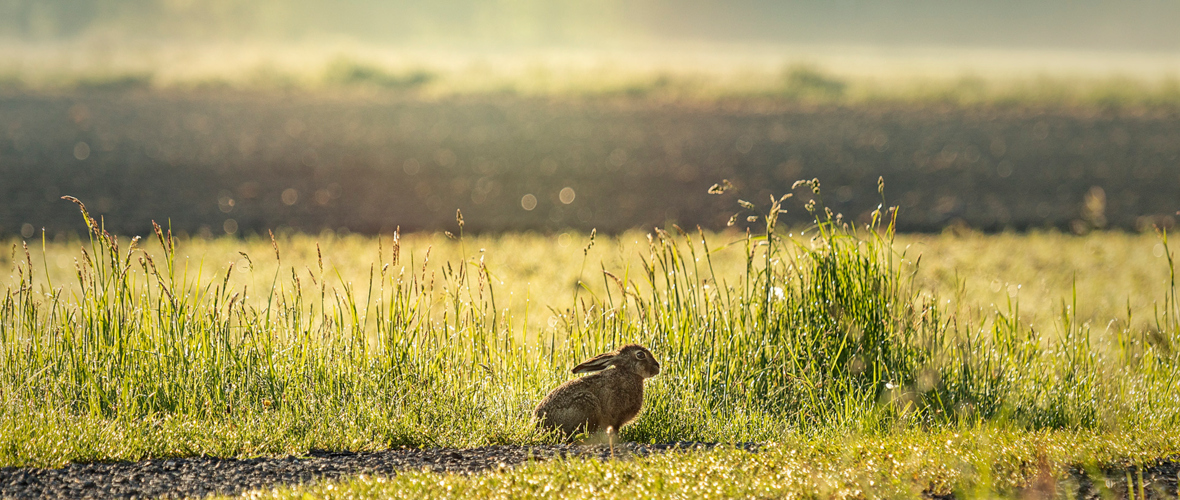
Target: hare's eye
x=639, y=355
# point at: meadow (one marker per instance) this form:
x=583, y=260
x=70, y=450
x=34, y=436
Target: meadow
x=1009, y=329
x=1024, y=355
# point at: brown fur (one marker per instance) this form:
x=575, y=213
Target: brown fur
x=606, y=399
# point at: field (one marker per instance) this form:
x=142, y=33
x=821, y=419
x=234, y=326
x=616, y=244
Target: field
x=970, y=294
x=368, y=157
x=971, y=373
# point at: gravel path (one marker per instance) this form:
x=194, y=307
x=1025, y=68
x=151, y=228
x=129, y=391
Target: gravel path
x=198, y=477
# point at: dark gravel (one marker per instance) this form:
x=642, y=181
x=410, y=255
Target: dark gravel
x=198, y=477
x=1158, y=480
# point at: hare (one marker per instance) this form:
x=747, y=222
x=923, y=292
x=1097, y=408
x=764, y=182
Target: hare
x=602, y=401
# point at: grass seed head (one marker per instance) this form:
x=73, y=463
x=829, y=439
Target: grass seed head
x=720, y=187
x=590, y=244
x=274, y=244
x=319, y=257
x=397, y=245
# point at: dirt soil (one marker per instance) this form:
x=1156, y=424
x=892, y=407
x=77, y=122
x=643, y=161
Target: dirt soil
x=198, y=477
x=202, y=476
x=367, y=164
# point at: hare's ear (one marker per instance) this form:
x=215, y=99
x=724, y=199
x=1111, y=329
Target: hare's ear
x=597, y=363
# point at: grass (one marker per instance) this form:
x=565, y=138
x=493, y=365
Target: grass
x=793, y=336
x=968, y=463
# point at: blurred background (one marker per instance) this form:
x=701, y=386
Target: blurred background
x=1102, y=25
x=235, y=116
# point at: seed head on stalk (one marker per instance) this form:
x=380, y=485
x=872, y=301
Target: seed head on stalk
x=720, y=187
x=90, y=222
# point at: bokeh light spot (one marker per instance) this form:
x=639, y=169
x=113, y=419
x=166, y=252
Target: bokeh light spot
x=445, y=157
x=567, y=195
x=528, y=202
x=225, y=202
x=1004, y=169
x=618, y=157
x=290, y=196
x=411, y=167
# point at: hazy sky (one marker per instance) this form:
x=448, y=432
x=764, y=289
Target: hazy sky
x=1084, y=24
x=1139, y=25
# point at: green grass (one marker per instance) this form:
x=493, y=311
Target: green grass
x=968, y=463
x=784, y=337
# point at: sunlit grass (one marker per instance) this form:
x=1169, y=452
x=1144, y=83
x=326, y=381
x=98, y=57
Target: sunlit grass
x=1039, y=269
x=176, y=347
x=968, y=463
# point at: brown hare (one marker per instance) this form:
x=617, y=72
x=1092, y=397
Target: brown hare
x=602, y=401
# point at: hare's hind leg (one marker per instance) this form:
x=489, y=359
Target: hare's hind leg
x=574, y=416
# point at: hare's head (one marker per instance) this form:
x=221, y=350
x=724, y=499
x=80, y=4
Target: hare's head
x=633, y=357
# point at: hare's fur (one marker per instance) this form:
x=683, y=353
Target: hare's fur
x=604, y=400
